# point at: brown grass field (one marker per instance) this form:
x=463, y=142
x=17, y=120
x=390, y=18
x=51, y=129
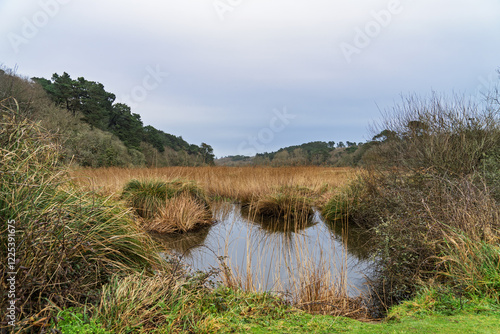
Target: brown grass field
x=237, y=183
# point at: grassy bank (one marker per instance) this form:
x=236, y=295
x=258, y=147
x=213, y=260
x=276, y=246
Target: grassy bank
x=232, y=311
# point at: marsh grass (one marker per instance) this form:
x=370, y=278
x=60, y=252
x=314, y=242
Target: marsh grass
x=143, y=304
x=180, y=187
x=179, y=215
x=68, y=242
x=146, y=197
x=320, y=293
x=473, y=267
x=168, y=207
x=286, y=205
x=242, y=184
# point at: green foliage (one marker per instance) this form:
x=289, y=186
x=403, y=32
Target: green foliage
x=126, y=125
x=443, y=300
x=207, y=153
x=313, y=153
x=90, y=102
x=72, y=321
x=434, y=310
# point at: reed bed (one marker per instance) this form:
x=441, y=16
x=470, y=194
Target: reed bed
x=240, y=183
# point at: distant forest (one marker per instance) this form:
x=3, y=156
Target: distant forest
x=317, y=153
x=94, y=130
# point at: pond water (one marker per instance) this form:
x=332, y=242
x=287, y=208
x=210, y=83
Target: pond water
x=273, y=257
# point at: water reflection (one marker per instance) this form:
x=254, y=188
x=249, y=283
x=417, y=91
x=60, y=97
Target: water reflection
x=276, y=225
x=355, y=238
x=185, y=243
x=274, y=255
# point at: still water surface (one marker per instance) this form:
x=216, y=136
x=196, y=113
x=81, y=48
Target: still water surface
x=276, y=258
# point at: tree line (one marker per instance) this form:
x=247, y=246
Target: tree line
x=88, y=102
x=317, y=153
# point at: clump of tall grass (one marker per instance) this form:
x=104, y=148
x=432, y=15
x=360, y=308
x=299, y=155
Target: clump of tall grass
x=283, y=204
x=272, y=224
x=319, y=293
x=143, y=304
x=146, y=196
x=179, y=214
x=473, y=267
x=68, y=242
x=180, y=187
x=168, y=207
x=361, y=201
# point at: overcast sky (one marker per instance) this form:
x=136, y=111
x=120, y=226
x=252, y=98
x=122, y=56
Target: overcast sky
x=249, y=76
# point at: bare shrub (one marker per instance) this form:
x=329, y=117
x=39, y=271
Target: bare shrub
x=447, y=135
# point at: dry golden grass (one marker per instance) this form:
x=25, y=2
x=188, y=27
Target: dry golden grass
x=245, y=184
x=180, y=214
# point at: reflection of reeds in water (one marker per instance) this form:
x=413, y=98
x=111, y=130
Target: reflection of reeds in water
x=285, y=204
x=183, y=243
x=317, y=285
x=222, y=210
x=358, y=240
x=274, y=224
